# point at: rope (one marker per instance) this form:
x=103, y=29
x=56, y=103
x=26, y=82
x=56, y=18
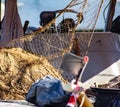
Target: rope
x=89, y=43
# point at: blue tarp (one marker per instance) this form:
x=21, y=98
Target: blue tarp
x=48, y=92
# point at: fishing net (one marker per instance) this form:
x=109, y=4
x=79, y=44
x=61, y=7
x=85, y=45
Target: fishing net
x=58, y=37
x=38, y=54
x=19, y=70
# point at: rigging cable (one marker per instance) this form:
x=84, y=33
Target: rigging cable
x=105, y=10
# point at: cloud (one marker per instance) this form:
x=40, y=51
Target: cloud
x=2, y=10
x=20, y=4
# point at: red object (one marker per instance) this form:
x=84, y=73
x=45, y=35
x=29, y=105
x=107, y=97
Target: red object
x=71, y=102
x=86, y=59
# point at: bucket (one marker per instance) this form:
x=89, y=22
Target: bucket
x=72, y=63
x=104, y=96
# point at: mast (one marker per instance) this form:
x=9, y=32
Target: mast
x=110, y=15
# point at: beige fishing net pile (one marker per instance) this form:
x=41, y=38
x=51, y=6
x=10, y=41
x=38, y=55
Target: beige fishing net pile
x=19, y=69
x=38, y=54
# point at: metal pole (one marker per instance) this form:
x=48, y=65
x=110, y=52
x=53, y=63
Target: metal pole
x=110, y=15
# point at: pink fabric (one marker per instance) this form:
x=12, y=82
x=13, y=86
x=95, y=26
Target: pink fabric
x=11, y=25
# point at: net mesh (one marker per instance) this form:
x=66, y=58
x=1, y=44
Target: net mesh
x=59, y=36
x=19, y=68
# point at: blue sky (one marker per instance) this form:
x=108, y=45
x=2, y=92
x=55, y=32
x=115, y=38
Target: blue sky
x=32, y=9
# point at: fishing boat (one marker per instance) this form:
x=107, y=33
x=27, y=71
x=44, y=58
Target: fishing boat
x=54, y=40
